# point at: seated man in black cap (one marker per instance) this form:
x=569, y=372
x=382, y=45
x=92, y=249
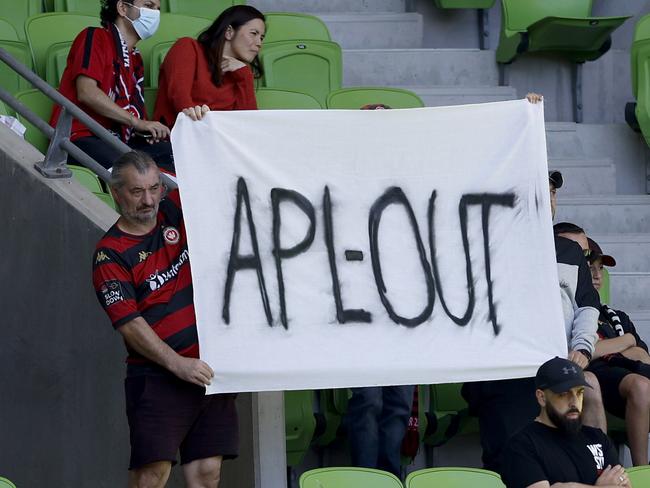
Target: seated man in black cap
x=556, y=448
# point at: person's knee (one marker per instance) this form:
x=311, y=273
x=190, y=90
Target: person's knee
x=592, y=394
x=150, y=476
x=636, y=389
x=204, y=473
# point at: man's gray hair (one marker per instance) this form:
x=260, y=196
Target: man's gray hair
x=141, y=161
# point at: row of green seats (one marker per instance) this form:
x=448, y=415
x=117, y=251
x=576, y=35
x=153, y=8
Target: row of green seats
x=640, y=65
x=348, y=477
x=198, y=8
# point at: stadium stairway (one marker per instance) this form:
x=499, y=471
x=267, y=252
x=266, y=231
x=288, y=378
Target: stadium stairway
x=603, y=161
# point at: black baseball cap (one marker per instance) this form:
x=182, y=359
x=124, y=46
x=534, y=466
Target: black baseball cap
x=597, y=252
x=559, y=375
x=555, y=177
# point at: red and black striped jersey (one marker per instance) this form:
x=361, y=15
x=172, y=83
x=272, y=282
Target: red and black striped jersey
x=149, y=276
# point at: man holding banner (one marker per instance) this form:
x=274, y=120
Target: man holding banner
x=142, y=278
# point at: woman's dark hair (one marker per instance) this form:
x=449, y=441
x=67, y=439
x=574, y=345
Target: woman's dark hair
x=213, y=38
x=108, y=12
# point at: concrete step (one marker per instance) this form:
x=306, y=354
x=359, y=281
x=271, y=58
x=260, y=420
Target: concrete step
x=586, y=176
x=439, y=96
x=641, y=320
x=375, y=30
x=631, y=251
x=606, y=214
x=329, y=5
x=419, y=67
x=629, y=291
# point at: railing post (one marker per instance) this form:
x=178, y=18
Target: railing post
x=54, y=165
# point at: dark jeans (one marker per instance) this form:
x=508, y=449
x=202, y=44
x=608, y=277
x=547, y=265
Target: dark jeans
x=377, y=420
x=104, y=154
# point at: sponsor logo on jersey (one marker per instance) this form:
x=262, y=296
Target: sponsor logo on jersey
x=111, y=291
x=159, y=278
x=171, y=235
x=597, y=453
x=143, y=255
x=101, y=257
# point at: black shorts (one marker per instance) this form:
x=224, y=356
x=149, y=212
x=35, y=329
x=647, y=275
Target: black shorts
x=167, y=414
x=610, y=378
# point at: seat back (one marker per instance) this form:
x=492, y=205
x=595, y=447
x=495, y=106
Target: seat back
x=172, y=26
x=272, y=99
x=18, y=13
x=5, y=483
x=604, y=287
x=284, y=26
x=639, y=476
x=312, y=67
x=56, y=61
x=453, y=478
x=519, y=15
x=639, y=51
x=41, y=105
x=107, y=198
x=150, y=94
x=346, y=477
x=158, y=53
x=357, y=97
x=89, y=7
x=86, y=178
x=8, y=31
x=46, y=30
x=208, y=9
x=299, y=422
x=9, y=79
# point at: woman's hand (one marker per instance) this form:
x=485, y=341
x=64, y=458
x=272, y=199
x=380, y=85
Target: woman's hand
x=196, y=113
x=229, y=63
x=534, y=97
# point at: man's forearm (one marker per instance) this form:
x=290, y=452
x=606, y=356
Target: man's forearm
x=141, y=337
x=93, y=97
x=614, y=345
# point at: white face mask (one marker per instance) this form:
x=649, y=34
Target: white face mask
x=147, y=24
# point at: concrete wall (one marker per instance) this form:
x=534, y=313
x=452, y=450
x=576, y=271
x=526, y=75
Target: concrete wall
x=62, y=416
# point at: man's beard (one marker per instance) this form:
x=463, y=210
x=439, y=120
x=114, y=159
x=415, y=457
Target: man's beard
x=139, y=218
x=569, y=426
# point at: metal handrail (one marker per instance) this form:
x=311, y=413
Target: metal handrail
x=55, y=163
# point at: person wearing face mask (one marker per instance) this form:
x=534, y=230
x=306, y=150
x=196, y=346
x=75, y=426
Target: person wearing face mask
x=104, y=76
x=214, y=72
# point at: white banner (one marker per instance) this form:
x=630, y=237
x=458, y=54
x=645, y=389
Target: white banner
x=342, y=248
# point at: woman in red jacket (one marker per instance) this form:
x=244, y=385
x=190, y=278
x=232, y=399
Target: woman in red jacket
x=214, y=72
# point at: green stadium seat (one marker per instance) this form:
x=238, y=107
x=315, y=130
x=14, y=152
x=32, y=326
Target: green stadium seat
x=4, y=110
x=453, y=478
x=5, y=483
x=604, y=288
x=346, y=477
x=300, y=424
x=172, y=26
x=639, y=476
x=464, y=3
x=616, y=429
x=9, y=79
x=18, y=13
x=89, y=7
x=41, y=105
x=107, y=198
x=312, y=67
x=56, y=61
x=150, y=94
x=282, y=26
x=448, y=415
x=86, y=178
x=8, y=31
x=332, y=405
x=559, y=26
x=51, y=29
x=158, y=53
x=271, y=99
x=640, y=67
x=208, y=9
x=357, y=97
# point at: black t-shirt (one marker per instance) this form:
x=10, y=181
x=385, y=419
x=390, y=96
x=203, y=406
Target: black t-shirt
x=539, y=452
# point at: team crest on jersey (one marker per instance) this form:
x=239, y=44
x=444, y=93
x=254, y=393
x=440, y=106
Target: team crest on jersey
x=111, y=291
x=171, y=235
